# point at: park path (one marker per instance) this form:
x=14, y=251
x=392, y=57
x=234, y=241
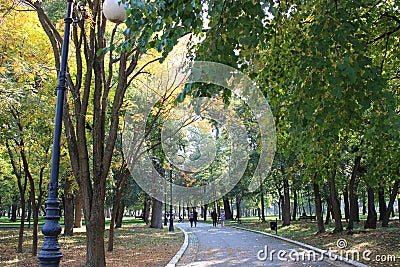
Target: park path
x=217, y=246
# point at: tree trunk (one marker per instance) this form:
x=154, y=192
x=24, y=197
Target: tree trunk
x=280, y=205
x=309, y=200
x=294, y=211
x=370, y=223
x=364, y=204
x=29, y=218
x=120, y=214
x=95, y=240
x=393, y=195
x=21, y=226
x=238, y=201
x=14, y=207
x=68, y=209
x=262, y=203
x=286, y=203
x=398, y=207
x=146, y=209
x=335, y=204
x=22, y=190
x=35, y=230
x=118, y=205
x=110, y=246
x=227, y=209
x=382, y=203
x=108, y=213
x=354, y=216
x=205, y=212
x=156, y=214
x=318, y=208
x=346, y=203
x=78, y=210
x=328, y=210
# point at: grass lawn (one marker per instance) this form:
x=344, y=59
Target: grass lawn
x=135, y=244
x=384, y=243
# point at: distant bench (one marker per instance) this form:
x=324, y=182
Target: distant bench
x=307, y=217
x=138, y=217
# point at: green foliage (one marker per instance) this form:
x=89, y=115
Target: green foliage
x=159, y=24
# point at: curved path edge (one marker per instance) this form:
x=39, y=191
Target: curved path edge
x=180, y=252
x=321, y=251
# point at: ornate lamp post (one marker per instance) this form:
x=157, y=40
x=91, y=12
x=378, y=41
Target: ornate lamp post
x=50, y=254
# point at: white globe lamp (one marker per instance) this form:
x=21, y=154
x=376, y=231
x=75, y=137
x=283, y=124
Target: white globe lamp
x=114, y=11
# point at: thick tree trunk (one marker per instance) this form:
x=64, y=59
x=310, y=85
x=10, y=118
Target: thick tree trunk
x=335, y=204
x=93, y=199
x=156, y=214
x=382, y=203
x=393, y=195
x=95, y=240
x=318, y=208
x=354, y=216
x=370, y=223
x=286, y=203
x=78, y=210
x=68, y=209
x=227, y=209
x=346, y=203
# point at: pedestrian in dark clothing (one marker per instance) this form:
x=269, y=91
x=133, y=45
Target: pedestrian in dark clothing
x=195, y=218
x=191, y=218
x=214, y=217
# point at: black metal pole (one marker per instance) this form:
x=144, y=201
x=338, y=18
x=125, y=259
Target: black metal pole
x=50, y=254
x=171, y=217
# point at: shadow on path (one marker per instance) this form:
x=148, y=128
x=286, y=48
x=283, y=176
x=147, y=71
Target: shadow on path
x=216, y=246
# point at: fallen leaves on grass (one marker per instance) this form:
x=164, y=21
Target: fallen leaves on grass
x=135, y=245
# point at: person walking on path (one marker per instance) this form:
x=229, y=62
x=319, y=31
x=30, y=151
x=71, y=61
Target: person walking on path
x=222, y=219
x=214, y=217
x=191, y=218
x=195, y=218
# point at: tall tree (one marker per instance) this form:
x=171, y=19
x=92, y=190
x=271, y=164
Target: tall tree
x=97, y=88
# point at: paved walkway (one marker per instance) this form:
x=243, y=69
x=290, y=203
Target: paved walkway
x=210, y=246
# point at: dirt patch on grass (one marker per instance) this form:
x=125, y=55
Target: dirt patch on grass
x=135, y=245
